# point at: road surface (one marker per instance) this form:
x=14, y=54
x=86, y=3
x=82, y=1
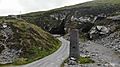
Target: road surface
x=55, y=59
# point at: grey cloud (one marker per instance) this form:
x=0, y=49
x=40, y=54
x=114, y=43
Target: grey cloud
x=25, y=6
x=40, y=4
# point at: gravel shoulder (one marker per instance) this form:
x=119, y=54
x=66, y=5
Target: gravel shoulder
x=103, y=56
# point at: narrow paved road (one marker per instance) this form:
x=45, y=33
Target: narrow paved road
x=55, y=59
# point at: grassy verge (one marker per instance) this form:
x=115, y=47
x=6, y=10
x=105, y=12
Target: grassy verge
x=85, y=60
x=81, y=60
x=38, y=55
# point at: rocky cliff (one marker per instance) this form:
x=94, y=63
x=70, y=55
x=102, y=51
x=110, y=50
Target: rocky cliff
x=54, y=21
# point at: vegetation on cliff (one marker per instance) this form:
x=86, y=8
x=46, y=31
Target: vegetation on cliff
x=29, y=41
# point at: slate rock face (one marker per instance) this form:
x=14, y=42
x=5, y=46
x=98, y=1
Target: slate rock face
x=7, y=55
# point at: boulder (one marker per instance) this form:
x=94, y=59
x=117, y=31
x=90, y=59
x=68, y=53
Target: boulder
x=102, y=29
x=98, y=31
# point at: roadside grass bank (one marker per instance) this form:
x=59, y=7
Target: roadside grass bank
x=34, y=42
x=81, y=60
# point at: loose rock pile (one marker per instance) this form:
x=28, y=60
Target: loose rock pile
x=112, y=41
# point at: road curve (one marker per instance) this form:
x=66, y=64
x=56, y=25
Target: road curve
x=55, y=59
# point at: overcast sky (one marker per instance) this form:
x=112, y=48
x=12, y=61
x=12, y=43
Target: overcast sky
x=9, y=7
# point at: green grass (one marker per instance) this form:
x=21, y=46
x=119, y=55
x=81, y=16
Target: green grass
x=81, y=60
x=37, y=54
x=85, y=60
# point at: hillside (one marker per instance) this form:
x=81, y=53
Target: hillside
x=96, y=20
x=22, y=42
x=52, y=20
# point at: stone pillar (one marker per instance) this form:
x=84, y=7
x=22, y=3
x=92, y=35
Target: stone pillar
x=74, y=43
